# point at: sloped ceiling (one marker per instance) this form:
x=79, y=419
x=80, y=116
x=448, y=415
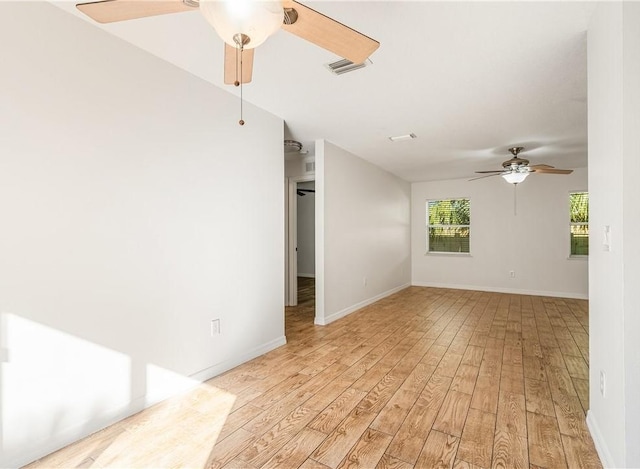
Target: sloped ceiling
x=470, y=79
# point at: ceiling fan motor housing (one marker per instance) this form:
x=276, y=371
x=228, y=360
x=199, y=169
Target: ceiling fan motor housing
x=290, y=16
x=515, y=163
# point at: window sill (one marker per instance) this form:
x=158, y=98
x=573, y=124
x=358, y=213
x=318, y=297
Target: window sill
x=578, y=258
x=448, y=254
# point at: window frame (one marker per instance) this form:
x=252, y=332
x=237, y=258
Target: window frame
x=572, y=224
x=438, y=225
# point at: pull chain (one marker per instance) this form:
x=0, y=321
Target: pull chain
x=241, y=40
x=241, y=121
x=238, y=82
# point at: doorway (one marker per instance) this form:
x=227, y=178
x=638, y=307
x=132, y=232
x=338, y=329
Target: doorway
x=300, y=279
x=305, y=236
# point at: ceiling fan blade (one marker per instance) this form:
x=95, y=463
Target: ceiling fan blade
x=540, y=166
x=551, y=171
x=330, y=34
x=486, y=175
x=110, y=11
x=232, y=65
x=496, y=171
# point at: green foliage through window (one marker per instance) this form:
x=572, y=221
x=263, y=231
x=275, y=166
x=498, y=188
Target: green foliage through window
x=579, y=220
x=448, y=227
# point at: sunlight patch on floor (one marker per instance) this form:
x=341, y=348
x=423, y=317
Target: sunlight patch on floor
x=178, y=432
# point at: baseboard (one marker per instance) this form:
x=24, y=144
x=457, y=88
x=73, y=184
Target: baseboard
x=212, y=371
x=340, y=314
x=77, y=432
x=70, y=435
x=598, y=441
x=306, y=275
x=514, y=291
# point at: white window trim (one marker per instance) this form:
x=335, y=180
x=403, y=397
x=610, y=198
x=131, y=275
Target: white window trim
x=577, y=223
x=427, y=226
x=449, y=254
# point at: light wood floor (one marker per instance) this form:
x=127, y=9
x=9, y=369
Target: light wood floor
x=424, y=378
x=306, y=291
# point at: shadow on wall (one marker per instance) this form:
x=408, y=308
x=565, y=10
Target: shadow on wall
x=50, y=380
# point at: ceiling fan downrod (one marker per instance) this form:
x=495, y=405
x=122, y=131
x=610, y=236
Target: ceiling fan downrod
x=515, y=150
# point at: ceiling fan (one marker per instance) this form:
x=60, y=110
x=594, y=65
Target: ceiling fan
x=303, y=192
x=245, y=24
x=516, y=169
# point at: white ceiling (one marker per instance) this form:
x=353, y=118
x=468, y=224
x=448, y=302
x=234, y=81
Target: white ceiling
x=470, y=79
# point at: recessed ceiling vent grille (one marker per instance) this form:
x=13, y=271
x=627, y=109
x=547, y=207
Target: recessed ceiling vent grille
x=345, y=66
x=310, y=166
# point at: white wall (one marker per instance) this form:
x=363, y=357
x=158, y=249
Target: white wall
x=362, y=233
x=534, y=243
x=129, y=201
x=614, y=153
x=631, y=229
x=306, y=207
x=296, y=165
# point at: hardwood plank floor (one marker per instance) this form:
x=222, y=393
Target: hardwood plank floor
x=306, y=291
x=427, y=377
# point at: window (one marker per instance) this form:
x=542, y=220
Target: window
x=448, y=225
x=579, y=223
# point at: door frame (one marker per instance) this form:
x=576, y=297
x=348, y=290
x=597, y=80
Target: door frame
x=291, y=239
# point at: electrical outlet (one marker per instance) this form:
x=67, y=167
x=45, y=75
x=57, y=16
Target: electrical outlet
x=215, y=327
x=603, y=383
x=512, y=274
x=364, y=281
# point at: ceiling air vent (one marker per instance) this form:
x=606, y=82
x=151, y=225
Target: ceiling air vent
x=345, y=66
x=399, y=138
x=309, y=166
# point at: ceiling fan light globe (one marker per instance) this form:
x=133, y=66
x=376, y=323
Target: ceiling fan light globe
x=257, y=19
x=515, y=177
